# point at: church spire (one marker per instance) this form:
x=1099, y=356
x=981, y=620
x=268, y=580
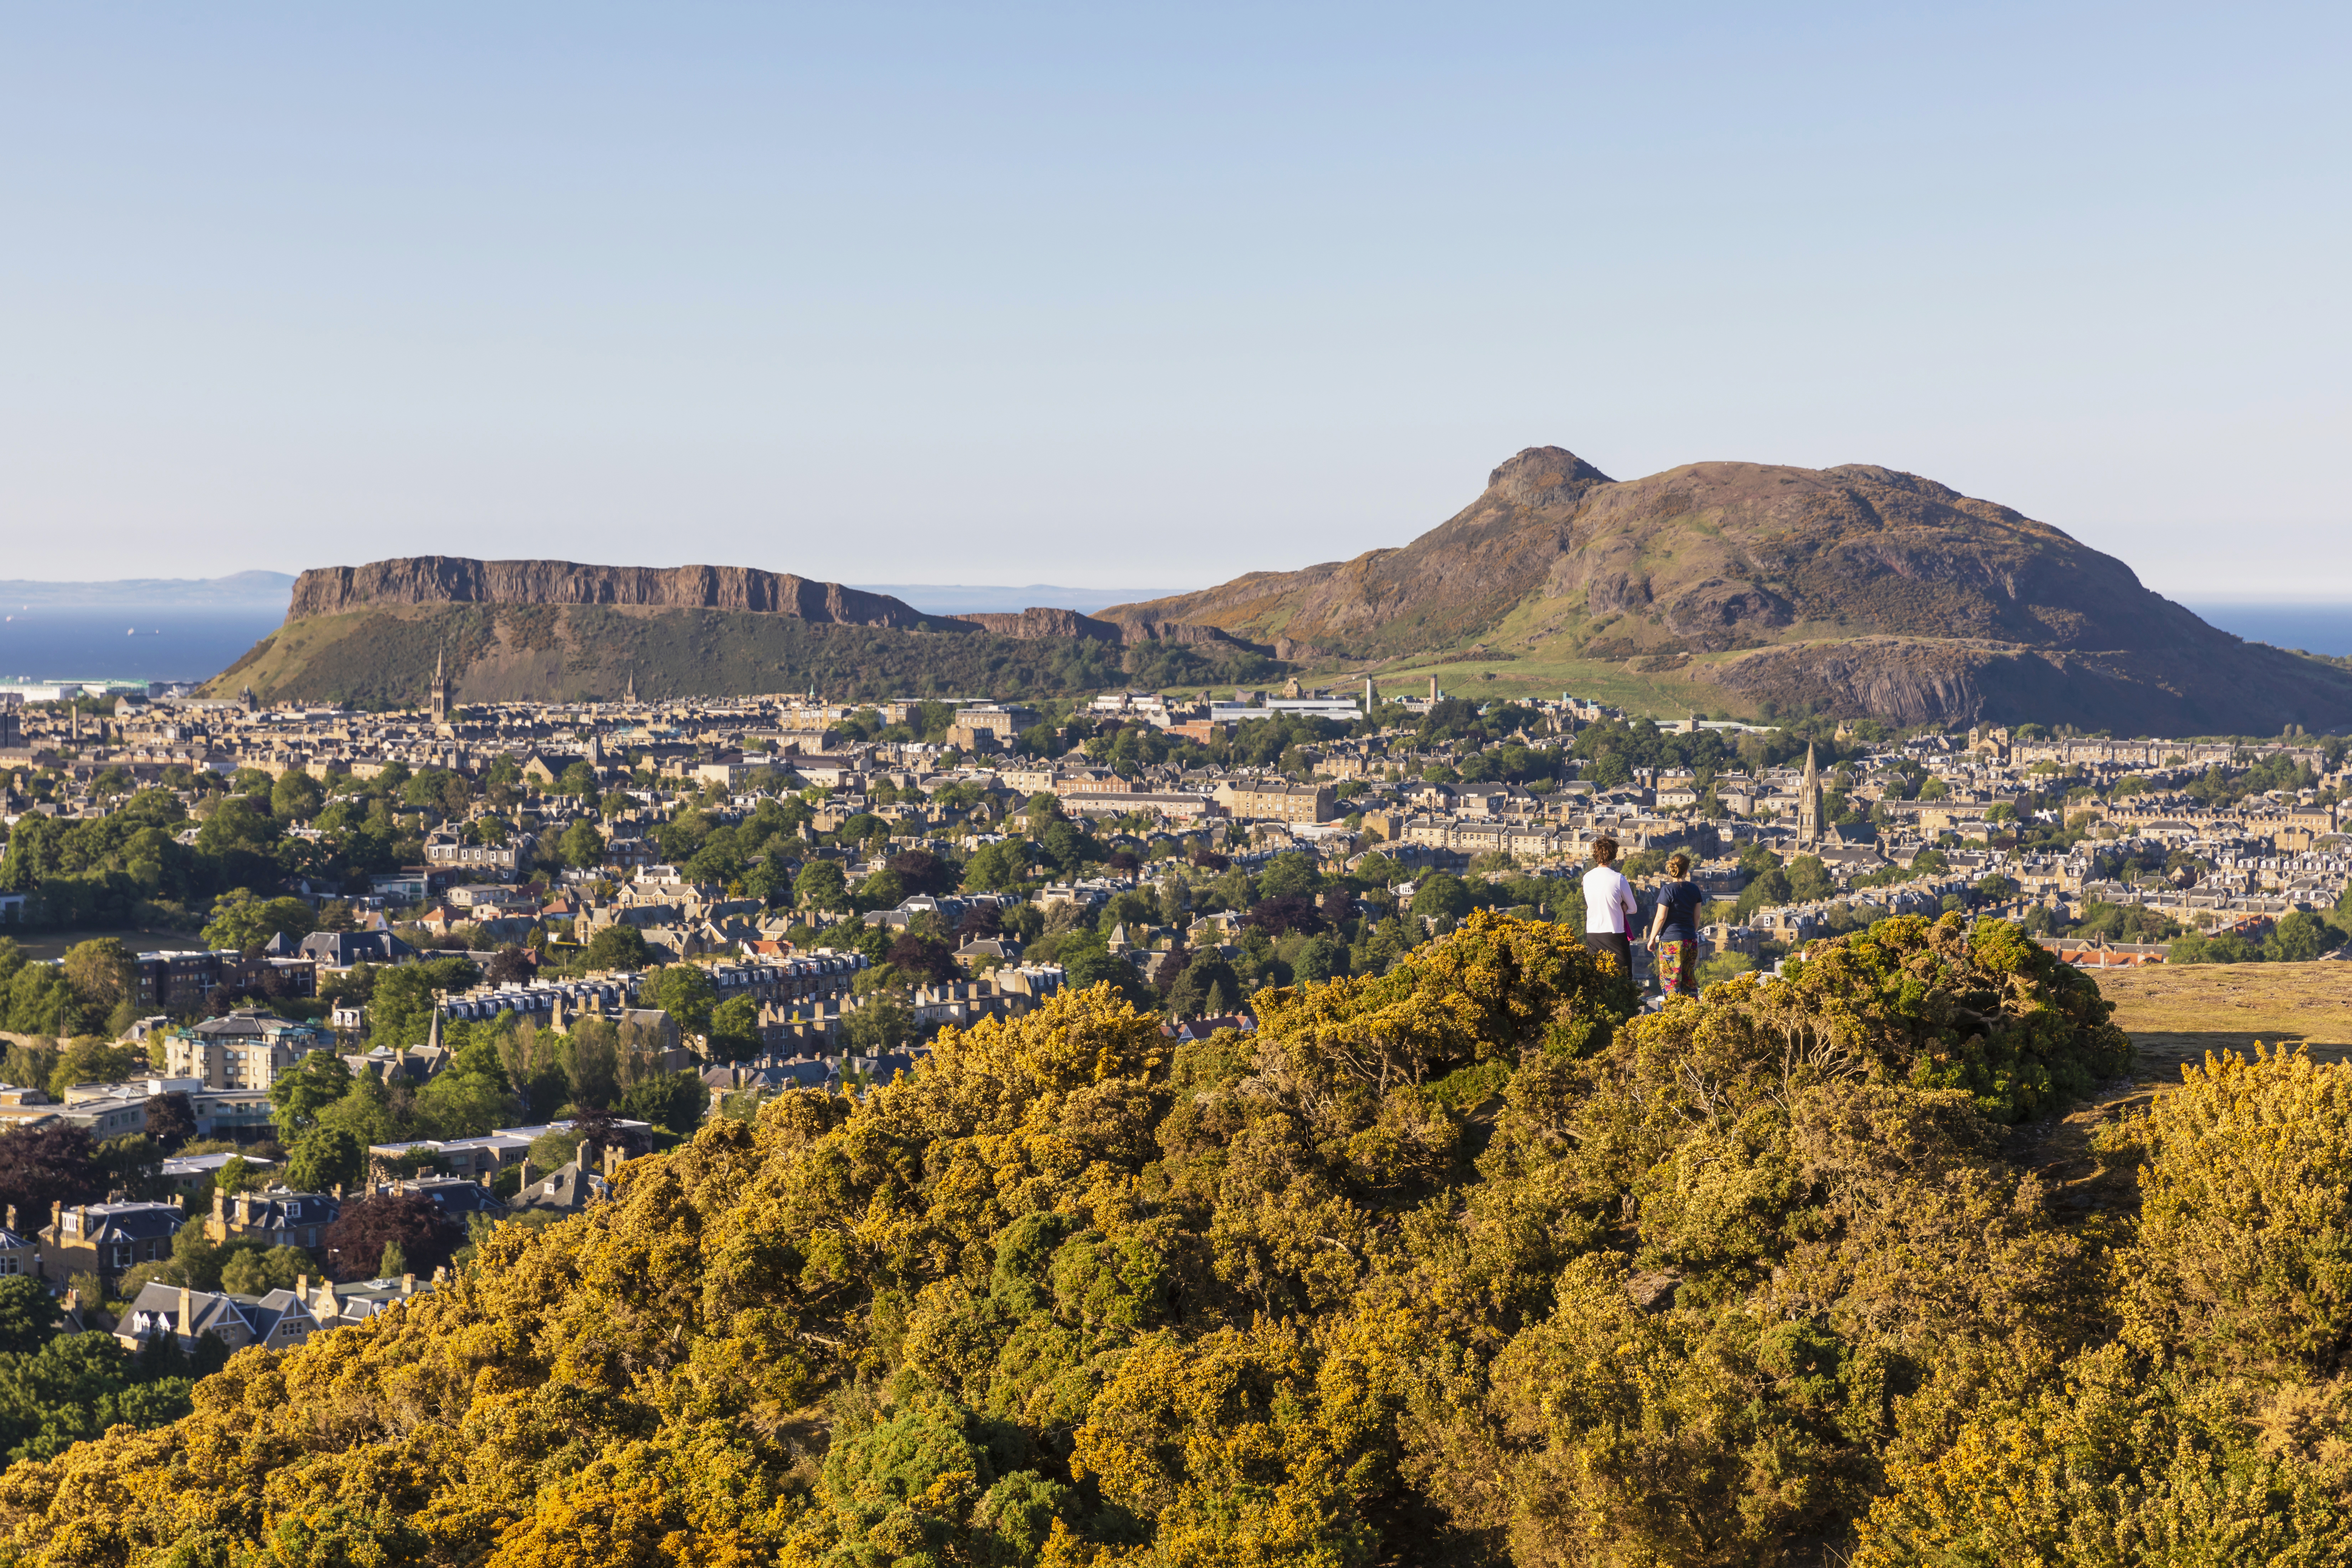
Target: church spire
x=1808, y=804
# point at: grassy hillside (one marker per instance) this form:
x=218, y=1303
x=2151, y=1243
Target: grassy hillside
x=1854, y=590
x=2175, y=1013
x=1444, y=1267
x=385, y=655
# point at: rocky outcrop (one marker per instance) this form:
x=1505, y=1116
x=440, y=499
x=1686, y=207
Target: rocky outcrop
x=1452, y=583
x=1035, y=623
x=458, y=580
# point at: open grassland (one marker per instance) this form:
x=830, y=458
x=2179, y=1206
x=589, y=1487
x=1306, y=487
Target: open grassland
x=2177, y=1013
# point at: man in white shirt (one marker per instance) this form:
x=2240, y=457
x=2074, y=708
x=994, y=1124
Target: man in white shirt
x=1609, y=907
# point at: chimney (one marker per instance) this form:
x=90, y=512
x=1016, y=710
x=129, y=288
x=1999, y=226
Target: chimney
x=339, y=1191
x=220, y=1205
x=1432, y=688
x=12, y=1219
x=57, y=1217
x=408, y=1284
x=301, y=1286
x=612, y=1158
x=187, y=1322
x=73, y=1300
x=530, y=1174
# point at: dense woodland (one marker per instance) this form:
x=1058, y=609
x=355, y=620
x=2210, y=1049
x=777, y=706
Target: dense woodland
x=1466, y=1263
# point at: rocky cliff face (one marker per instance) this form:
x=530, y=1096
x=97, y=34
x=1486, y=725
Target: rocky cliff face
x=455, y=580
x=1035, y=623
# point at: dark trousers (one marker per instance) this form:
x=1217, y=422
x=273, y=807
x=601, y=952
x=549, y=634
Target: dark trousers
x=1611, y=941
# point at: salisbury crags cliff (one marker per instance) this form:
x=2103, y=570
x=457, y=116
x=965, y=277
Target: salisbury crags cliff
x=1854, y=589
x=455, y=580
x=557, y=630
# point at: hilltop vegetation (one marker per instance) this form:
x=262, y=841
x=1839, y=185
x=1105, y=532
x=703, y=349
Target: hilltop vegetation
x=383, y=657
x=1455, y=1264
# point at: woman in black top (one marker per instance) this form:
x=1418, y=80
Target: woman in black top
x=1673, y=931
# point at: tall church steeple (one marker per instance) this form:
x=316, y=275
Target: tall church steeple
x=439, y=693
x=1808, y=804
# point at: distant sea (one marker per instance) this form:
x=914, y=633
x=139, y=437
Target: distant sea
x=2314, y=628
x=121, y=644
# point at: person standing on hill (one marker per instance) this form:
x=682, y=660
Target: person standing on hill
x=1674, y=930
x=1609, y=907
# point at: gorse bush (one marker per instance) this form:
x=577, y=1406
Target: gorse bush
x=1464, y=1264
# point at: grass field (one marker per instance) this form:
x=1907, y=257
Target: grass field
x=52, y=944
x=2176, y=1013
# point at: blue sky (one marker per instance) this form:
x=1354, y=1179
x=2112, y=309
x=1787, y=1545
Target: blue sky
x=1120, y=295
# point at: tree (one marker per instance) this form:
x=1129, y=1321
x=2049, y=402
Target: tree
x=618, y=947
x=296, y=1099
x=581, y=846
x=1208, y=987
x=999, y=867
x=671, y=1100
x=296, y=798
x=1324, y=957
x=1439, y=896
x=170, y=1120
x=1288, y=912
x=735, y=1029
x=821, y=886
x=920, y=959
x=402, y=1003
x=40, y=1166
x=423, y=1232
x=1809, y=880
x=324, y=1160
x=2298, y=938
x=92, y=1060
x=685, y=992
x=921, y=872
x=882, y=1022
x=242, y=921
x=29, y=1315
x=256, y=1270
x=509, y=965
x=97, y=970
x=1288, y=874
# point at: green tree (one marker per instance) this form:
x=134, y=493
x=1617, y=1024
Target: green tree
x=1440, y=895
x=671, y=1100
x=735, y=1029
x=821, y=886
x=618, y=947
x=581, y=846
x=296, y=1099
x=324, y=1159
x=685, y=992
x=241, y=919
x=99, y=970
x=28, y=1314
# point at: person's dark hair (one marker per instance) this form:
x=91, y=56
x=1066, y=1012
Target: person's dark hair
x=1679, y=865
x=1603, y=851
